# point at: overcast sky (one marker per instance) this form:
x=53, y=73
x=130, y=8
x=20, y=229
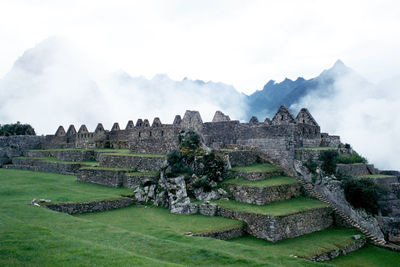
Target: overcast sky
x=243, y=43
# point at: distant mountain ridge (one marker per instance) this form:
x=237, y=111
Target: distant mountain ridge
x=288, y=92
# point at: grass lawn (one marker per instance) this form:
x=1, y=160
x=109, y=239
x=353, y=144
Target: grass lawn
x=369, y=256
x=258, y=167
x=273, y=181
x=306, y=245
x=155, y=220
x=280, y=208
x=133, y=236
x=375, y=176
x=324, y=148
x=35, y=236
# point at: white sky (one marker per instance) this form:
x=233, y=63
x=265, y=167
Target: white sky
x=243, y=43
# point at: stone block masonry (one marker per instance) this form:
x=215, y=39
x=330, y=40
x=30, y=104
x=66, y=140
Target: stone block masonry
x=90, y=206
x=112, y=178
x=275, y=228
x=224, y=234
x=263, y=195
x=139, y=162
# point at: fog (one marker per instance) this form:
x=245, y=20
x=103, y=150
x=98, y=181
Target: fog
x=55, y=84
x=365, y=115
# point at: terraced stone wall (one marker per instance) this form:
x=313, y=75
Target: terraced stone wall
x=330, y=140
x=93, y=206
x=14, y=146
x=242, y=157
x=132, y=162
x=275, y=228
x=110, y=178
x=264, y=195
x=356, y=169
x=43, y=166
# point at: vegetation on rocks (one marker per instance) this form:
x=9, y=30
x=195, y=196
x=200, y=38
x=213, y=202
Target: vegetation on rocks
x=363, y=193
x=16, y=129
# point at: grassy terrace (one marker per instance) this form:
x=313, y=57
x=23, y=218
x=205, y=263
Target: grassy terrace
x=323, y=148
x=306, y=245
x=52, y=159
x=376, y=176
x=138, y=236
x=279, y=180
x=280, y=208
x=259, y=167
x=109, y=150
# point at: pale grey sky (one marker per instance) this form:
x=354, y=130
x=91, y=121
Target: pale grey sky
x=243, y=43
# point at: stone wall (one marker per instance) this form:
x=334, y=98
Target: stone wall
x=139, y=163
x=328, y=255
x=224, y=234
x=275, y=228
x=112, y=178
x=43, y=166
x=21, y=141
x=264, y=195
x=330, y=140
x=257, y=176
x=242, y=157
x=356, y=169
x=92, y=206
x=132, y=181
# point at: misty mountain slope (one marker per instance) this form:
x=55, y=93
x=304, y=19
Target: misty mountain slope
x=265, y=102
x=53, y=83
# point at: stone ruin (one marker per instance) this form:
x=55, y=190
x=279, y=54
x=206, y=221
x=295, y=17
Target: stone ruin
x=277, y=138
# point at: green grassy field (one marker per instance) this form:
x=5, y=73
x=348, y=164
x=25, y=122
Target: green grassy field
x=280, y=180
x=258, y=167
x=280, y=208
x=133, y=236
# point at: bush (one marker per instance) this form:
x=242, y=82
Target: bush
x=362, y=193
x=190, y=140
x=214, y=166
x=177, y=163
x=16, y=129
x=328, y=159
x=311, y=165
x=351, y=158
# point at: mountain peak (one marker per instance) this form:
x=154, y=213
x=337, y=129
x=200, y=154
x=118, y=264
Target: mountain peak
x=339, y=63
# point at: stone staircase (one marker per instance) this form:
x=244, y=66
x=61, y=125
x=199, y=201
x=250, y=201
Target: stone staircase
x=309, y=188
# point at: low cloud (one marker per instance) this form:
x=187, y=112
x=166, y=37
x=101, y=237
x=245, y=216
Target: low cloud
x=363, y=114
x=52, y=84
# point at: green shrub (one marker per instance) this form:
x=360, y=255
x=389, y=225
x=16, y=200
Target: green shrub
x=214, y=166
x=329, y=160
x=190, y=140
x=362, y=193
x=16, y=129
x=177, y=164
x=311, y=165
x=351, y=158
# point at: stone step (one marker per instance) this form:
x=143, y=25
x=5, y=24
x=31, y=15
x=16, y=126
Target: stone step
x=264, y=191
x=257, y=172
x=279, y=220
x=139, y=162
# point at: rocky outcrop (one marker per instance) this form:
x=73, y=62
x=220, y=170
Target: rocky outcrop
x=178, y=200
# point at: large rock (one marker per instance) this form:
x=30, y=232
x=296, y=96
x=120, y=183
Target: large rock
x=178, y=200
